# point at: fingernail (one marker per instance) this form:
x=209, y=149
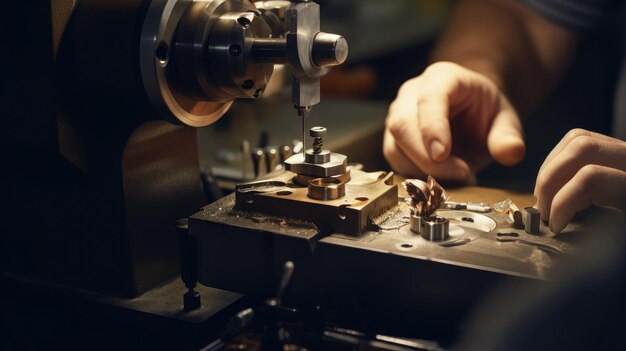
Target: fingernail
x=437, y=150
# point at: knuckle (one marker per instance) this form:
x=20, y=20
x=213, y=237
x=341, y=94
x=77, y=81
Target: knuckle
x=409, y=85
x=582, y=145
x=574, y=133
x=588, y=175
x=442, y=67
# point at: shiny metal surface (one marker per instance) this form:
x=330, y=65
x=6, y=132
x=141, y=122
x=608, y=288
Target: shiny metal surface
x=435, y=228
x=416, y=224
x=326, y=189
x=472, y=261
x=348, y=214
x=196, y=57
x=337, y=165
x=532, y=220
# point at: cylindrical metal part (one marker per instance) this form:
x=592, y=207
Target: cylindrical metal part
x=416, y=224
x=303, y=180
x=258, y=160
x=285, y=152
x=271, y=157
x=329, y=49
x=326, y=189
x=435, y=228
x=270, y=50
x=310, y=156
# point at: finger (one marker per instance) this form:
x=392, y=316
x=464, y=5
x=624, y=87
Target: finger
x=433, y=115
x=398, y=160
x=453, y=168
x=580, y=151
x=592, y=185
x=569, y=137
x=506, y=137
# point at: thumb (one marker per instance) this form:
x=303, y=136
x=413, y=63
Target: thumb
x=505, y=140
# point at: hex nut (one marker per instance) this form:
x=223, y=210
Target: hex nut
x=337, y=165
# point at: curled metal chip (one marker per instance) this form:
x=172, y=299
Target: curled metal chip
x=426, y=196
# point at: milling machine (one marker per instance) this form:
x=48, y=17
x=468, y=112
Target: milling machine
x=111, y=170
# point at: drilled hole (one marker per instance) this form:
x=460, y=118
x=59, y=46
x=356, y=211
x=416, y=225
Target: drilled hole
x=407, y=246
x=467, y=219
x=162, y=52
x=234, y=50
x=243, y=21
x=284, y=193
x=362, y=198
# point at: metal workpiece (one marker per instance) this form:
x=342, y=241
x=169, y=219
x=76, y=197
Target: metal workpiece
x=317, y=157
x=334, y=206
x=532, y=220
x=326, y=189
x=435, y=228
x=303, y=180
x=337, y=165
x=416, y=224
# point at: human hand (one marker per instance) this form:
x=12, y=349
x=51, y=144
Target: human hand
x=584, y=169
x=450, y=122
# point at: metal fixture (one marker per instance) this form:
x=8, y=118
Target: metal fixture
x=435, y=228
x=326, y=189
x=196, y=57
x=317, y=162
x=532, y=219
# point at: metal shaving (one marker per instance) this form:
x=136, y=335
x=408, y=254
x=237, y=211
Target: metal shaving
x=394, y=218
x=503, y=206
x=426, y=196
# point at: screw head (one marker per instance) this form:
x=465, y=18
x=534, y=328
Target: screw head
x=317, y=132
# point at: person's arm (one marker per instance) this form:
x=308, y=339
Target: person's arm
x=492, y=52
x=522, y=52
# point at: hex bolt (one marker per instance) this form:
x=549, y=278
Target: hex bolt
x=318, y=134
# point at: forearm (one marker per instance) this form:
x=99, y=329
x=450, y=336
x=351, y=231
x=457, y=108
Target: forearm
x=519, y=50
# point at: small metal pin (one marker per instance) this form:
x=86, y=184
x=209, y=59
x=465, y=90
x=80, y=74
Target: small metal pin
x=258, y=160
x=271, y=158
x=285, y=152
